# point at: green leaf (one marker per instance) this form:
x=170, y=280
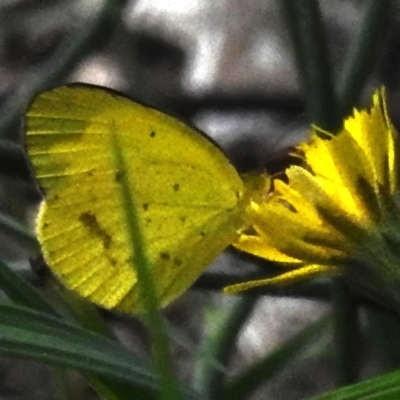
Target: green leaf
x=384, y=387
x=36, y=335
x=30, y=334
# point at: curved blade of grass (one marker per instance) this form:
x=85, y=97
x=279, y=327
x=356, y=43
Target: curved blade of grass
x=50, y=339
x=29, y=334
x=112, y=390
x=76, y=308
x=159, y=339
x=384, y=387
x=22, y=292
x=19, y=232
x=243, y=386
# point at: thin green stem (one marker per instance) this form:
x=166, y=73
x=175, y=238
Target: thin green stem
x=346, y=334
x=362, y=55
x=148, y=296
x=303, y=19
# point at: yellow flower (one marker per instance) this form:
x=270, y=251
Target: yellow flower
x=339, y=212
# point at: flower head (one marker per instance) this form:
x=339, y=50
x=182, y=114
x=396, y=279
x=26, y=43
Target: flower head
x=339, y=212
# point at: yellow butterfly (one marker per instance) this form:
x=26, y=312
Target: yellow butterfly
x=190, y=199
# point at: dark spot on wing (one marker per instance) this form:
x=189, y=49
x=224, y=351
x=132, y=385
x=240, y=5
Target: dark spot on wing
x=152, y=134
x=145, y=206
x=183, y=219
x=89, y=173
x=176, y=187
x=165, y=256
x=177, y=262
x=202, y=234
x=89, y=220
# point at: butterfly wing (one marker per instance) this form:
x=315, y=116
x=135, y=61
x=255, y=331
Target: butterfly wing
x=190, y=199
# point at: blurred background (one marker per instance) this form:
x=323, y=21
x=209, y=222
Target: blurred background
x=225, y=66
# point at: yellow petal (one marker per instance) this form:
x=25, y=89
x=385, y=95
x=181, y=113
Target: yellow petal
x=261, y=247
x=374, y=132
x=294, y=276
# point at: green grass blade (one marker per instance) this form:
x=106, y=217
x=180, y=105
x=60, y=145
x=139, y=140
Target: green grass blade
x=17, y=231
x=21, y=292
x=29, y=333
x=109, y=389
x=75, y=308
x=384, y=387
x=159, y=339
